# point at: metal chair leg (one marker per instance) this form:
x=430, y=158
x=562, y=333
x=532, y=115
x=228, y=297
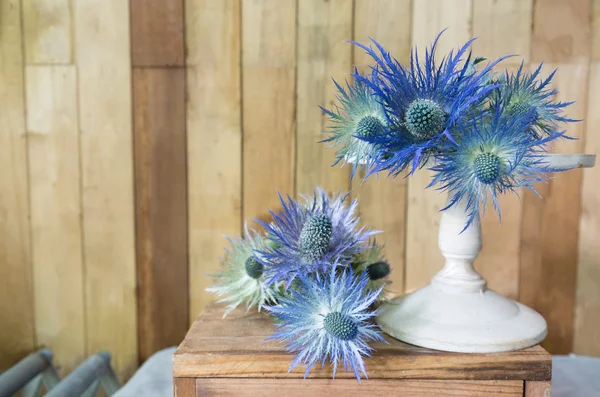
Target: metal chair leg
x=29, y=374
x=87, y=378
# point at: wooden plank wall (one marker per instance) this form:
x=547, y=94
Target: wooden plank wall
x=134, y=135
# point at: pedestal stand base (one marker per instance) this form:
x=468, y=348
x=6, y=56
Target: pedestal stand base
x=466, y=322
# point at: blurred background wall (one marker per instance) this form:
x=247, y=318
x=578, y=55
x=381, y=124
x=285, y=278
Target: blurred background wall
x=133, y=135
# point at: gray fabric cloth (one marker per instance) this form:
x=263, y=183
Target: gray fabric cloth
x=153, y=379
x=575, y=376
x=572, y=376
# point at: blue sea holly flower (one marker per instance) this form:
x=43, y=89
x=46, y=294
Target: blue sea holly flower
x=424, y=103
x=524, y=92
x=495, y=155
x=243, y=278
x=372, y=263
x=315, y=235
x=328, y=319
x=359, y=115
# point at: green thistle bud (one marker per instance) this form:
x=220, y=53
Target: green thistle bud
x=369, y=126
x=378, y=270
x=315, y=236
x=487, y=167
x=253, y=267
x=340, y=326
x=425, y=119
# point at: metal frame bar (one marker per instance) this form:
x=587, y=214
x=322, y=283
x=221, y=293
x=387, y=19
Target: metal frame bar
x=30, y=374
x=87, y=378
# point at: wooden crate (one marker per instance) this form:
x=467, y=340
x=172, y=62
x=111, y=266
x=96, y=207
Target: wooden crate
x=230, y=357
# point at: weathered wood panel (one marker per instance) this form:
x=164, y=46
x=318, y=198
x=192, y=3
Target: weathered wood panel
x=214, y=137
x=56, y=238
x=324, y=27
x=107, y=179
x=268, y=103
x=47, y=31
x=157, y=33
x=549, y=259
x=349, y=387
x=382, y=201
x=16, y=294
x=587, y=304
x=161, y=207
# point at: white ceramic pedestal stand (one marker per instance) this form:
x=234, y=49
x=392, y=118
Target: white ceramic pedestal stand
x=456, y=311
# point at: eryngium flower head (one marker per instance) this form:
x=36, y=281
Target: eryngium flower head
x=497, y=154
x=316, y=235
x=359, y=115
x=372, y=263
x=524, y=92
x=243, y=279
x=423, y=103
x=327, y=319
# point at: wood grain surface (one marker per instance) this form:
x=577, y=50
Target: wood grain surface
x=16, y=294
x=351, y=388
x=214, y=139
x=56, y=238
x=157, y=33
x=235, y=347
x=323, y=53
x=268, y=105
x=381, y=200
x=538, y=389
x=161, y=207
x=107, y=180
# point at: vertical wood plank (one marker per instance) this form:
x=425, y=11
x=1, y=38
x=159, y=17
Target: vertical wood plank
x=549, y=260
x=54, y=178
x=107, y=179
x=538, y=389
x=214, y=137
x=552, y=293
x=324, y=28
x=502, y=28
x=268, y=103
x=47, y=28
x=157, y=33
x=561, y=31
x=587, y=309
x=161, y=207
x=423, y=257
x=382, y=202
x=16, y=295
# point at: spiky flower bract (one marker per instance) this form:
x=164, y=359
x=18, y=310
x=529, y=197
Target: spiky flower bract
x=314, y=236
x=524, y=92
x=359, y=114
x=498, y=155
x=372, y=263
x=243, y=278
x=423, y=103
x=328, y=320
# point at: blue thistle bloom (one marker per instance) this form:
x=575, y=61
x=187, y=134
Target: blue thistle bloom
x=327, y=319
x=359, y=115
x=524, y=92
x=315, y=236
x=496, y=155
x=424, y=103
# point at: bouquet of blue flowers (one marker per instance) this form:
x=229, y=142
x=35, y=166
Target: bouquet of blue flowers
x=314, y=270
